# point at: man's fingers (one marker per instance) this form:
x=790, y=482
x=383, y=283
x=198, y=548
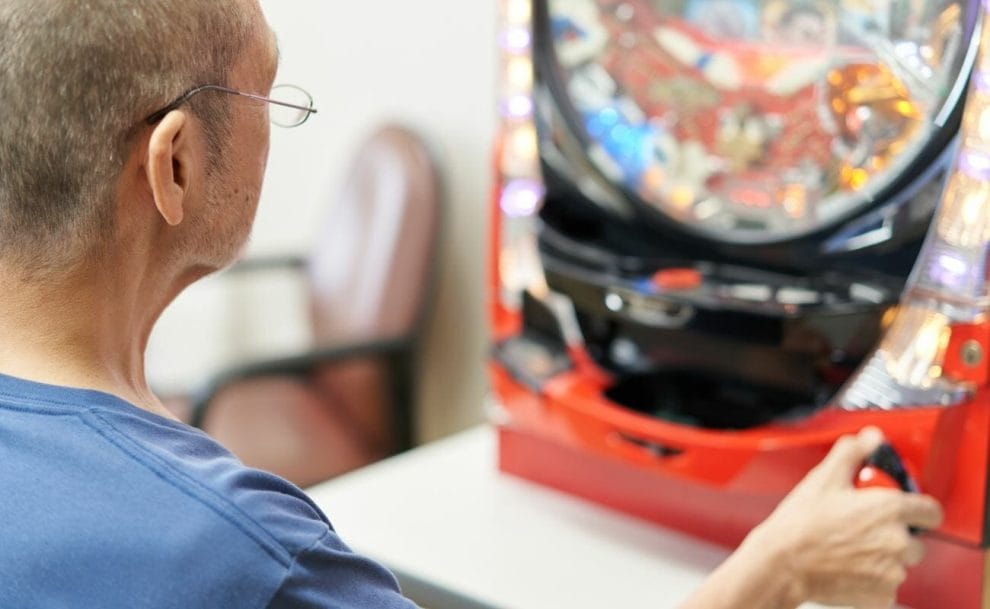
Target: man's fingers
x=914, y=553
x=920, y=511
x=848, y=454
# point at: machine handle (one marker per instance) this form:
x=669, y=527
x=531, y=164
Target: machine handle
x=884, y=468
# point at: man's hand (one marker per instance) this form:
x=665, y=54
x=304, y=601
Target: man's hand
x=841, y=545
x=826, y=542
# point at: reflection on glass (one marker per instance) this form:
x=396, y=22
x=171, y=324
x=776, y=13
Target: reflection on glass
x=914, y=346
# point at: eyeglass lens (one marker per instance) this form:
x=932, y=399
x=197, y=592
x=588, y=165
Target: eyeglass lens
x=285, y=116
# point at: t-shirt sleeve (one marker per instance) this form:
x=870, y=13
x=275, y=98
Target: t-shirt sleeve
x=327, y=575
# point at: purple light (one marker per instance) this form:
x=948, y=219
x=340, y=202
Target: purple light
x=517, y=106
x=952, y=264
x=516, y=40
x=951, y=271
x=975, y=165
x=981, y=80
x=521, y=198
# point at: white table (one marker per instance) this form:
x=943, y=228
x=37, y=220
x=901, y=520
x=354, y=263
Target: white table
x=460, y=534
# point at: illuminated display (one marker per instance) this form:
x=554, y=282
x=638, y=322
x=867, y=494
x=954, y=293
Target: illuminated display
x=758, y=120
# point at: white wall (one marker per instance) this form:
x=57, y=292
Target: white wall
x=429, y=64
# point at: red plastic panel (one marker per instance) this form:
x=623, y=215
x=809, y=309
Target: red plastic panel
x=951, y=575
x=945, y=447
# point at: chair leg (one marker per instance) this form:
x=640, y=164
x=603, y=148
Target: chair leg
x=403, y=398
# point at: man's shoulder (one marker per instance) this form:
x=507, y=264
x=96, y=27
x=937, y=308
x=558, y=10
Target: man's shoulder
x=276, y=515
x=213, y=485
x=166, y=472
x=150, y=508
x=105, y=491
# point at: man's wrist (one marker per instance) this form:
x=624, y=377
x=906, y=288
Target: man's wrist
x=772, y=563
x=759, y=575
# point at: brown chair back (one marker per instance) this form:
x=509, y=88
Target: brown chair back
x=371, y=268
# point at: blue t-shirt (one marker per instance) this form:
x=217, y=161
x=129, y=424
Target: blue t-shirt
x=105, y=505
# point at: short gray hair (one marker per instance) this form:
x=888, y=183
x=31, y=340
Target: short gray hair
x=77, y=79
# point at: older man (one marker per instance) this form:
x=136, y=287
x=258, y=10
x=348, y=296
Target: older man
x=133, y=139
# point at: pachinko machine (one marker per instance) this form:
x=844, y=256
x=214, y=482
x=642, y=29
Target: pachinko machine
x=726, y=232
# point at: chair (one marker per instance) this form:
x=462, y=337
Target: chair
x=349, y=400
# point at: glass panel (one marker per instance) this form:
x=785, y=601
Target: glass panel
x=758, y=120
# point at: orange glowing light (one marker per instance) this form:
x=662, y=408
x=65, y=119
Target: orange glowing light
x=795, y=200
x=681, y=197
x=853, y=178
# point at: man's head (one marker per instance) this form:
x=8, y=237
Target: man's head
x=77, y=78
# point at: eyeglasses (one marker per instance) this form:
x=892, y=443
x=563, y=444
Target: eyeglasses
x=290, y=113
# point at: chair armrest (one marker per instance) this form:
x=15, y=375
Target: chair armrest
x=288, y=262
x=395, y=351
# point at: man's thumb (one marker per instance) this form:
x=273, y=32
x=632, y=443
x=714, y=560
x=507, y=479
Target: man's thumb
x=848, y=453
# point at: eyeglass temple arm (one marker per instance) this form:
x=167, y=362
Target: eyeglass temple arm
x=157, y=116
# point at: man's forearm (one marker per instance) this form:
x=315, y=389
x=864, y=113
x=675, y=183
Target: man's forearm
x=754, y=577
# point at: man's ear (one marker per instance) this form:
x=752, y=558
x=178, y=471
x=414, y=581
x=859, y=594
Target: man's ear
x=171, y=165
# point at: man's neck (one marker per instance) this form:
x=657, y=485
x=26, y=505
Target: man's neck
x=88, y=331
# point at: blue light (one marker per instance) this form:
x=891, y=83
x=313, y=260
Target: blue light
x=564, y=29
x=629, y=145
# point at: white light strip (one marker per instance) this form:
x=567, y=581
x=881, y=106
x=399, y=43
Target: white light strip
x=522, y=190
